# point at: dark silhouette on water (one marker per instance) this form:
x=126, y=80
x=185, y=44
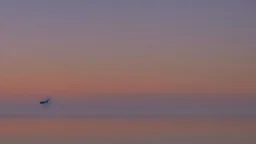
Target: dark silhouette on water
x=46, y=102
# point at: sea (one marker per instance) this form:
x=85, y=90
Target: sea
x=128, y=130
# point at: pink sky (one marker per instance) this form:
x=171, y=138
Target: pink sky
x=165, y=47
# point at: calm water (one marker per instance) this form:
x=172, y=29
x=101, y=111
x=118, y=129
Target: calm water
x=127, y=131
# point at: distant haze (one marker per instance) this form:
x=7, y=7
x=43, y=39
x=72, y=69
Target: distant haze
x=134, y=105
x=81, y=52
x=135, y=46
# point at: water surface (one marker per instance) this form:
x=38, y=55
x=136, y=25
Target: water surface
x=127, y=130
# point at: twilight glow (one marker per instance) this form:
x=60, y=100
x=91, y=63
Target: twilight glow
x=127, y=47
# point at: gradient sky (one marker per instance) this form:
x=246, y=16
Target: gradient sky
x=101, y=46
x=134, y=46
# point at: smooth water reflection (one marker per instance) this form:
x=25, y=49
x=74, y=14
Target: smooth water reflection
x=127, y=131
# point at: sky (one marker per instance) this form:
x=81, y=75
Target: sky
x=86, y=47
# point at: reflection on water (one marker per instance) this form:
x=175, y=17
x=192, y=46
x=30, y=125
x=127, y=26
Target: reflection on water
x=127, y=131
